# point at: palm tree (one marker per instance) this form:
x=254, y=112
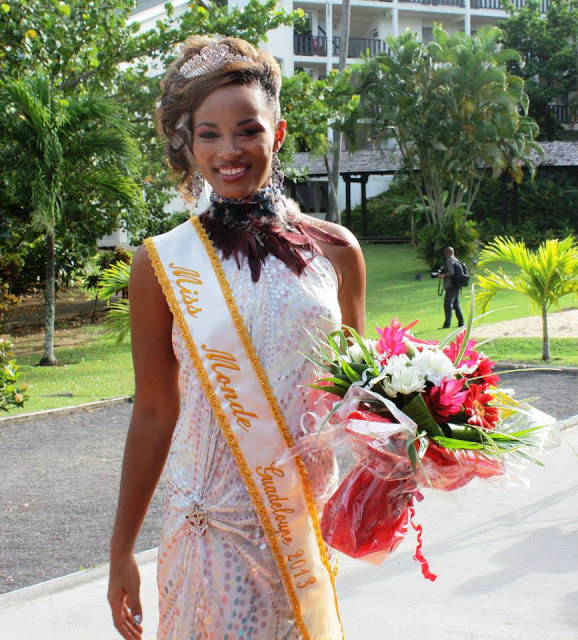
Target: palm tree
x=544, y=276
x=64, y=151
x=112, y=280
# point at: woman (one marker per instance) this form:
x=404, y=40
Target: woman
x=241, y=554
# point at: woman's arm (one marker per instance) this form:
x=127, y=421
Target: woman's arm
x=154, y=415
x=349, y=265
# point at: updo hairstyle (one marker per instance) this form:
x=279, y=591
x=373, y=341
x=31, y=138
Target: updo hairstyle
x=182, y=96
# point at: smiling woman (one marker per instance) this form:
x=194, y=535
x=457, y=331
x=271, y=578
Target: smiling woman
x=221, y=307
x=233, y=133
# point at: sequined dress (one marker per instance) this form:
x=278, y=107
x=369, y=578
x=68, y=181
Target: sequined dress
x=217, y=577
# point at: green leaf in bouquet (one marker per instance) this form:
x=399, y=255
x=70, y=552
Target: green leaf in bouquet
x=339, y=381
x=412, y=455
x=418, y=411
x=330, y=368
x=369, y=358
x=452, y=443
x=468, y=330
x=350, y=372
x=342, y=340
x=338, y=391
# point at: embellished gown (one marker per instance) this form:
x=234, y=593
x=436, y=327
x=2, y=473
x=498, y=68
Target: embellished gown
x=217, y=577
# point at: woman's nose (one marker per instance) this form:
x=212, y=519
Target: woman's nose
x=229, y=148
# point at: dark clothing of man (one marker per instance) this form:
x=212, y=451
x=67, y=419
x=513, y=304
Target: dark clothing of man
x=452, y=301
x=452, y=297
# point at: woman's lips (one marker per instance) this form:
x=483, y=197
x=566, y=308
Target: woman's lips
x=232, y=173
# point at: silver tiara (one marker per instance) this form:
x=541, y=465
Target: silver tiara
x=212, y=57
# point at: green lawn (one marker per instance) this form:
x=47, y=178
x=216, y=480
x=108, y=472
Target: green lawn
x=97, y=369
x=394, y=291
x=93, y=371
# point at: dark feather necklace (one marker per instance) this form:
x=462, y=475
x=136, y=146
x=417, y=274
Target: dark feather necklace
x=263, y=225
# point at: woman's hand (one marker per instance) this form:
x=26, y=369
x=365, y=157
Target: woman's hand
x=124, y=598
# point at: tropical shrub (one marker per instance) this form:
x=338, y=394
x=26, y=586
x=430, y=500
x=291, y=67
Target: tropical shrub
x=544, y=275
x=11, y=392
x=456, y=231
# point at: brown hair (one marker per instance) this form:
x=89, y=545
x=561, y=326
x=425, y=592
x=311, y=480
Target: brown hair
x=182, y=97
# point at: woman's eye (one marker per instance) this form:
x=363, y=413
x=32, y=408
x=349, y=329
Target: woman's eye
x=207, y=135
x=250, y=132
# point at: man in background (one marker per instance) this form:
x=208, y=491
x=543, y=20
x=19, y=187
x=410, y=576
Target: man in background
x=452, y=292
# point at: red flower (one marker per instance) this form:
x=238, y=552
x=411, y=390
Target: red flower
x=469, y=357
x=447, y=399
x=485, y=373
x=391, y=341
x=477, y=406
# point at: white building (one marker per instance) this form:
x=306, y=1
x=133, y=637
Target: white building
x=317, y=52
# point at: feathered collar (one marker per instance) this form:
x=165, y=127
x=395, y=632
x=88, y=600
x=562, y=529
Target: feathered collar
x=257, y=229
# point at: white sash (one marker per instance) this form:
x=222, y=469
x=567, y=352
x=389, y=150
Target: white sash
x=236, y=385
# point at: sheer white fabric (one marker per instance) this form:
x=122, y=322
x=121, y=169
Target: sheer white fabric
x=223, y=583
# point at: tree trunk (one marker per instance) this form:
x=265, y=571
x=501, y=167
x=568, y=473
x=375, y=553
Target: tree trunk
x=49, y=359
x=333, y=175
x=545, y=336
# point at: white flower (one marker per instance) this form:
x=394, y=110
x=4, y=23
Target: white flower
x=354, y=354
x=404, y=381
x=395, y=363
x=354, y=351
x=433, y=365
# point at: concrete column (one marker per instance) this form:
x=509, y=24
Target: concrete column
x=395, y=18
x=329, y=29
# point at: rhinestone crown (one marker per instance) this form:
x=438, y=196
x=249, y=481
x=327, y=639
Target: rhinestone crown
x=211, y=58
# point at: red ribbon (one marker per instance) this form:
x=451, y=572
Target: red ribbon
x=418, y=553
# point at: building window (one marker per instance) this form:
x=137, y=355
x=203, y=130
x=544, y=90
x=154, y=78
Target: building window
x=426, y=34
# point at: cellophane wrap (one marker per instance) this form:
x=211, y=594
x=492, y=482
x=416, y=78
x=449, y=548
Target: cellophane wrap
x=368, y=515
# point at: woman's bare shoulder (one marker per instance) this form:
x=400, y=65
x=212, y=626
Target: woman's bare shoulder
x=337, y=230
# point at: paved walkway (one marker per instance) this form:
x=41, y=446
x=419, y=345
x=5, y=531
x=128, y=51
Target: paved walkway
x=506, y=560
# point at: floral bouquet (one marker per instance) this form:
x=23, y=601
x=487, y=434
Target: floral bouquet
x=413, y=414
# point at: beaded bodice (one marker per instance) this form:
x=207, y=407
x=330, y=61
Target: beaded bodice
x=203, y=479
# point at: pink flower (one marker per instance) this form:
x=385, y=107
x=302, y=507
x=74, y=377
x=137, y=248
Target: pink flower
x=447, y=399
x=391, y=341
x=476, y=406
x=469, y=357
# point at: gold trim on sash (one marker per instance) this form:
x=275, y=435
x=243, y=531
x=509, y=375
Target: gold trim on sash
x=226, y=427
x=271, y=399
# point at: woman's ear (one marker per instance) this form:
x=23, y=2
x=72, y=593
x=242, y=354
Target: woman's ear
x=280, y=134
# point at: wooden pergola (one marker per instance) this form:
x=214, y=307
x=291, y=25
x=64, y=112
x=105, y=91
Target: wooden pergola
x=357, y=168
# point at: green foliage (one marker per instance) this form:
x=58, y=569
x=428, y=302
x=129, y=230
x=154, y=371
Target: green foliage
x=547, y=47
x=389, y=213
x=546, y=208
x=7, y=302
x=11, y=392
x=455, y=231
x=72, y=167
x=85, y=47
x=453, y=108
x=312, y=106
x=544, y=276
x=112, y=280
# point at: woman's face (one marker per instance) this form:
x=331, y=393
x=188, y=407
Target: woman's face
x=234, y=137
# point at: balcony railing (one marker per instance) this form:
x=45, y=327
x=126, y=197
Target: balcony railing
x=497, y=4
x=305, y=45
x=446, y=3
x=475, y=4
